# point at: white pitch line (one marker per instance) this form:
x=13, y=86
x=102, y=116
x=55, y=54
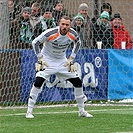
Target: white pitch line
x=122, y=132
x=67, y=112
x=66, y=105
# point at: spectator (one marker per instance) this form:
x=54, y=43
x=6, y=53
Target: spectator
x=12, y=9
x=78, y=25
x=46, y=22
x=83, y=10
x=22, y=36
x=35, y=14
x=105, y=7
x=120, y=34
x=102, y=31
x=108, y=8
x=58, y=11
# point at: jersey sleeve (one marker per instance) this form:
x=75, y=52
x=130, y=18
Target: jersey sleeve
x=38, y=41
x=77, y=44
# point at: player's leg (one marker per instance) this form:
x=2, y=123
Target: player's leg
x=41, y=76
x=33, y=95
x=79, y=96
x=73, y=77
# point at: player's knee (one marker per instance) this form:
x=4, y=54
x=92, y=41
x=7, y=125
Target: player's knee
x=76, y=82
x=39, y=81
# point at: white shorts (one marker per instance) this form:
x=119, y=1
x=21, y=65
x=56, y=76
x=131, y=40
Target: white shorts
x=56, y=66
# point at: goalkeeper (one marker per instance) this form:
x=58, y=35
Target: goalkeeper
x=52, y=60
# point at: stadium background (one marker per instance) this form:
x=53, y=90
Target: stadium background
x=10, y=81
x=124, y=7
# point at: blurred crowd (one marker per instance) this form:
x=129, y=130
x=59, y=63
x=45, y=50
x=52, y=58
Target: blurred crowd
x=30, y=21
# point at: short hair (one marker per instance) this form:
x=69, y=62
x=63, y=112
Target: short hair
x=57, y=2
x=106, y=6
x=11, y=0
x=36, y=4
x=66, y=17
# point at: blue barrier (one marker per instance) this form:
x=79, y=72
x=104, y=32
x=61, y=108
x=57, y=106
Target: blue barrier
x=92, y=66
x=120, y=74
x=27, y=72
x=106, y=74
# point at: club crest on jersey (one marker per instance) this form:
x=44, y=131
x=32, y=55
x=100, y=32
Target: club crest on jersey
x=69, y=41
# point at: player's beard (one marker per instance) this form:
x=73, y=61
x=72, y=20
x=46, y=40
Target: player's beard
x=63, y=31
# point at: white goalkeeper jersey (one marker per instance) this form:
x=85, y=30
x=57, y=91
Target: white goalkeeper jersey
x=55, y=44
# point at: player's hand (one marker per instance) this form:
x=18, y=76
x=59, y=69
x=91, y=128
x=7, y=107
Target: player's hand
x=70, y=64
x=40, y=64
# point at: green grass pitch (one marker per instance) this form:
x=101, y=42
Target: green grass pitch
x=107, y=119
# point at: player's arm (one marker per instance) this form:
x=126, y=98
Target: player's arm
x=36, y=46
x=37, y=42
x=77, y=44
x=70, y=60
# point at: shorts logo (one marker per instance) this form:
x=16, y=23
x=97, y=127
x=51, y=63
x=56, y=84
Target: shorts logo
x=41, y=74
x=98, y=62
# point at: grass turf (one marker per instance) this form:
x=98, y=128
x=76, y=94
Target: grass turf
x=107, y=119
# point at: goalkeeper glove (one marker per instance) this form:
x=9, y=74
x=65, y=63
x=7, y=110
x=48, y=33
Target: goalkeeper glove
x=70, y=64
x=40, y=64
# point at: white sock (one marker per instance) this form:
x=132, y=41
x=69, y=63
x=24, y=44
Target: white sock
x=32, y=99
x=79, y=98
